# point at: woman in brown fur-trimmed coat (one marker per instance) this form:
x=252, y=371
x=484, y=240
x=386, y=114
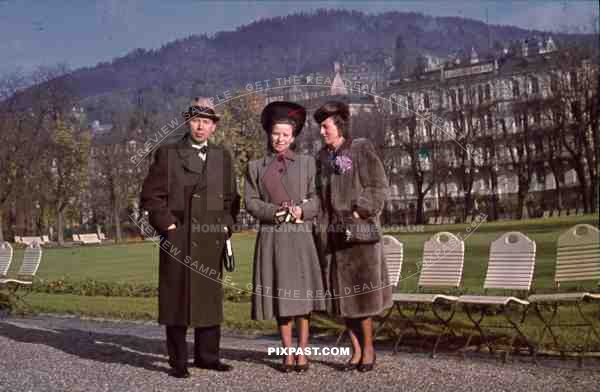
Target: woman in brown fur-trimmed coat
x=353, y=186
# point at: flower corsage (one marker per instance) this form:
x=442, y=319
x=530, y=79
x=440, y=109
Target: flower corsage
x=342, y=164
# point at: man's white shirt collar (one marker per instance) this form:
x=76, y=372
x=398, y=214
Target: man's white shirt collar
x=199, y=146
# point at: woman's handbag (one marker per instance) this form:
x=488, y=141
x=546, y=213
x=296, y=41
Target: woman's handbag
x=360, y=231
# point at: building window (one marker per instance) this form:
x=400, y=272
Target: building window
x=573, y=79
x=426, y=101
x=411, y=104
x=488, y=92
x=554, y=83
x=480, y=93
x=515, y=89
x=575, y=111
x=461, y=97
x=453, y=98
x=535, y=87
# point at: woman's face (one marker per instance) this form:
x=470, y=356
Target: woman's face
x=330, y=132
x=281, y=137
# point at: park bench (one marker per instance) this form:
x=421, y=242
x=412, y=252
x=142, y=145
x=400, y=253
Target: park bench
x=546, y=214
x=442, y=267
x=431, y=220
x=510, y=268
x=555, y=213
x=89, y=238
x=31, y=240
x=31, y=262
x=577, y=260
x=469, y=219
x=6, y=255
x=438, y=220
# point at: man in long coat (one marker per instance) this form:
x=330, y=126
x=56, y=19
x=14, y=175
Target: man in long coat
x=190, y=194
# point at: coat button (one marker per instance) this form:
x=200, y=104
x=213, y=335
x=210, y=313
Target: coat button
x=220, y=195
x=218, y=220
x=194, y=244
x=194, y=220
x=218, y=242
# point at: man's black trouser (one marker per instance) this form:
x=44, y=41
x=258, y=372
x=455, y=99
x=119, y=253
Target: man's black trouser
x=206, y=345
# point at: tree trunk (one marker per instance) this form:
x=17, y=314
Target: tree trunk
x=468, y=202
x=494, y=200
x=419, y=218
x=522, y=193
x=1, y=228
x=117, y=220
x=59, y=225
x=582, y=186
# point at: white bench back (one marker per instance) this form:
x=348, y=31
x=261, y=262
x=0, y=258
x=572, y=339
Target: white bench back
x=443, y=260
x=6, y=255
x=31, y=261
x=394, y=254
x=511, y=262
x=578, y=254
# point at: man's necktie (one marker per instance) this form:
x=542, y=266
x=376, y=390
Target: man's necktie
x=201, y=150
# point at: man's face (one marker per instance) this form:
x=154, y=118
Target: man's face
x=281, y=137
x=330, y=133
x=201, y=128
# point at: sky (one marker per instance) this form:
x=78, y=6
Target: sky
x=85, y=32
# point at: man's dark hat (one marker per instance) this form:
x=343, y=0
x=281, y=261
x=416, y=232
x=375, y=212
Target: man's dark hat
x=332, y=108
x=282, y=110
x=201, y=107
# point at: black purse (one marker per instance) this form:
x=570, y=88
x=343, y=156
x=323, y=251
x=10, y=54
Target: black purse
x=360, y=231
x=228, y=257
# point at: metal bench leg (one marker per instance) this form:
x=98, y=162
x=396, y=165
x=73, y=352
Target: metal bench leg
x=591, y=330
x=404, y=319
x=447, y=329
x=548, y=323
x=477, y=324
x=517, y=331
x=383, y=322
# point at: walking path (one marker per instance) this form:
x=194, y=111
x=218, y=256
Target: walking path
x=48, y=353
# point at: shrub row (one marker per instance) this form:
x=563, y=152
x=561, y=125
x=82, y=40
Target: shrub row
x=92, y=287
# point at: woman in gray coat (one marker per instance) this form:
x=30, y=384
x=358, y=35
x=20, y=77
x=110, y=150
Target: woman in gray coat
x=280, y=193
x=353, y=186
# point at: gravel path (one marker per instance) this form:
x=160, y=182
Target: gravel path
x=70, y=354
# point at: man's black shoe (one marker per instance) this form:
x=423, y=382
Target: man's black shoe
x=218, y=366
x=180, y=373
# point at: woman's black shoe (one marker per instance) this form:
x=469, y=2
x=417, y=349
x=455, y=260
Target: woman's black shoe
x=367, y=367
x=287, y=368
x=301, y=368
x=349, y=366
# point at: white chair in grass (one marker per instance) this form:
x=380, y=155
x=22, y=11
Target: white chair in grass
x=441, y=269
x=27, y=272
x=510, y=269
x=577, y=261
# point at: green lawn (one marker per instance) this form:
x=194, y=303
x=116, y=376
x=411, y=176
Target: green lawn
x=137, y=262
